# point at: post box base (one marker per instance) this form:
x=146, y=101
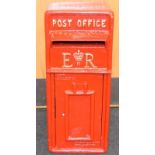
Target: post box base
x=78, y=150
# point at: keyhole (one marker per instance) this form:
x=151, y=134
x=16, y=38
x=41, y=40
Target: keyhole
x=63, y=114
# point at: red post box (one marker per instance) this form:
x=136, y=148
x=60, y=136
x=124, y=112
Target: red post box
x=78, y=72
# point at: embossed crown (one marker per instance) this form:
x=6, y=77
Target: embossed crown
x=78, y=56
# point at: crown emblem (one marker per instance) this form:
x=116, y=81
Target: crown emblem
x=78, y=56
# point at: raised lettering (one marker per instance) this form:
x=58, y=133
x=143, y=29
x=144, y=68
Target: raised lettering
x=53, y=22
x=66, y=60
x=103, y=23
x=89, y=60
x=69, y=22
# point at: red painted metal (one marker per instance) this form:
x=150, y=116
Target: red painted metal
x=78, y=67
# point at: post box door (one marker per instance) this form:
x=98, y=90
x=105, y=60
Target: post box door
x=78, y=101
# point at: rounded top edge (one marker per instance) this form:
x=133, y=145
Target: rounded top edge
x=76, y=5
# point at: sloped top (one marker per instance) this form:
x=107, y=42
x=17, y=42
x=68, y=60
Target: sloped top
x=96, y=6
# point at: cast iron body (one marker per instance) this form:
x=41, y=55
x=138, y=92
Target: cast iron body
x=78, y=73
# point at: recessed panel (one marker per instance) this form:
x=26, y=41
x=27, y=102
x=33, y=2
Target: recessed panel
x=79, y=113
x=78, y=110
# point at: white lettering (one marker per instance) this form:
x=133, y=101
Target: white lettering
x=89, y=22
x=84, y=22
x=103, y=23
x=64, y=23
x=69, y=22
x=78, y=57
x=54, y=22
x=66, y=60
x=94, y=23
x=89, y=60
x=59, y=22
x=98, y=23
